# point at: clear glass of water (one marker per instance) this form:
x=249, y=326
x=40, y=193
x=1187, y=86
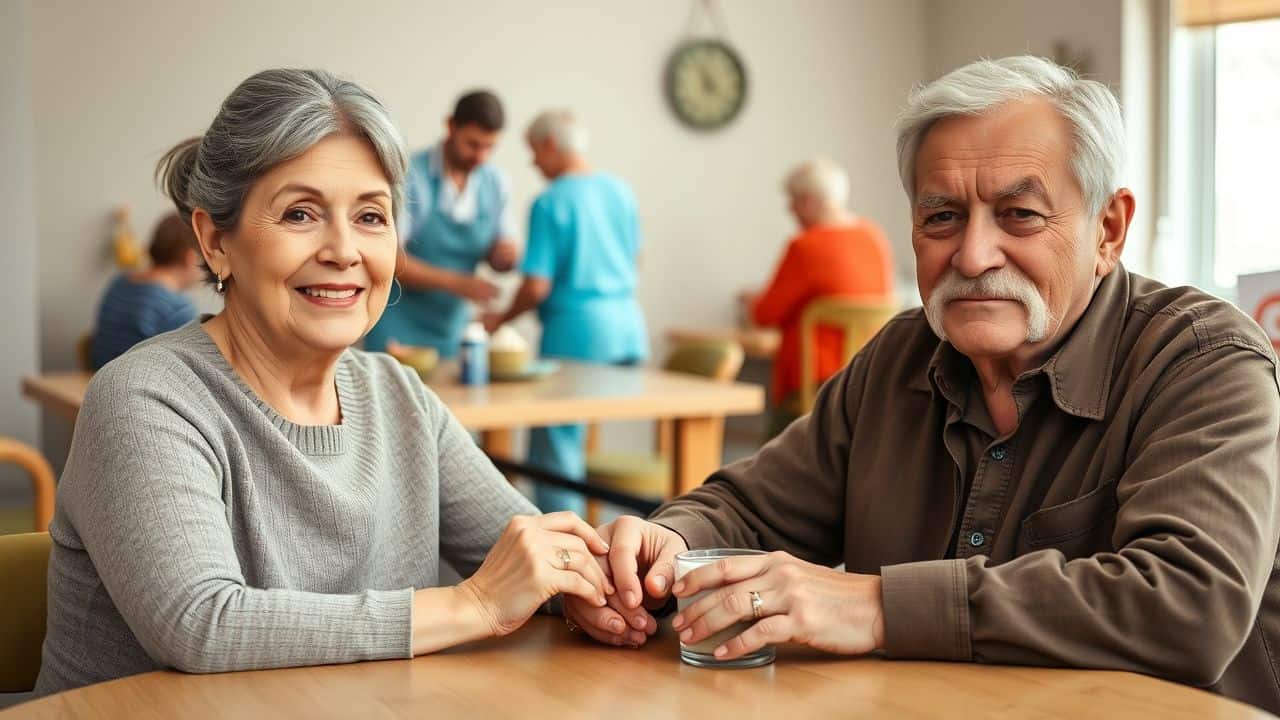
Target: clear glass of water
x=702, y=654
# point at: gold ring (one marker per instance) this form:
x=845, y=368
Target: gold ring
x=573, y=626
x=757, y=605
x=566, y=558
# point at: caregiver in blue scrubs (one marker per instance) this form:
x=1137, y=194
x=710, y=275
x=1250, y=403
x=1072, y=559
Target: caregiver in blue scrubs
x=456, y=216
x=580, y=274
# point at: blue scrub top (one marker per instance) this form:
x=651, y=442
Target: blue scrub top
x=584, y=237
x=448, y=230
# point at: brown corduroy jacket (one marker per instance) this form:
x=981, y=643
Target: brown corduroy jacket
x=1130, y=521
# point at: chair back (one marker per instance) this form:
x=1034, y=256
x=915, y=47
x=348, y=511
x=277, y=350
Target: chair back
x=719, y=360
x=24, y=565
x=30, y=459
x=860, y=318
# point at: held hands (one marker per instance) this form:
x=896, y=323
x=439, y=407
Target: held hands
x=799, y=602
x=536, y=558
x=641, y=563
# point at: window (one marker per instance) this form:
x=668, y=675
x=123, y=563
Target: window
x=1225, y=151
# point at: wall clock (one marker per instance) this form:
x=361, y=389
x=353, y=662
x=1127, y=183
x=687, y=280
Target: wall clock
x=706, y=84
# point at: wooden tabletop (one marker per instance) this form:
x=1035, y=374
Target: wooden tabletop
x=756, y=342
x=574, y=393
x=544, y=672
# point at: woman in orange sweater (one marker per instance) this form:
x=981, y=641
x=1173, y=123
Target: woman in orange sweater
x=836, y=253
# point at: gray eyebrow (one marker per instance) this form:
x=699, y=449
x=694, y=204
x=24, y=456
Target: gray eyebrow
x=1025, y=186
x=932, y=202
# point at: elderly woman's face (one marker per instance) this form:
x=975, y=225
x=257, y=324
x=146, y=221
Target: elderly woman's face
x=313, y=257
x=1006, y=252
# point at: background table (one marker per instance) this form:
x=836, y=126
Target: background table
x=544, y=672
x=574, y=393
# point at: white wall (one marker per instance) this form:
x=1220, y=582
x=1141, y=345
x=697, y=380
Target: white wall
x=18, y=418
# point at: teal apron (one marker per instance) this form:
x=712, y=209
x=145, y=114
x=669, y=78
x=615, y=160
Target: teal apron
x=435, y=318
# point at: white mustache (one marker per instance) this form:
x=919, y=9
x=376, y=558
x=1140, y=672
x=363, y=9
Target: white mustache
x=1007, y=283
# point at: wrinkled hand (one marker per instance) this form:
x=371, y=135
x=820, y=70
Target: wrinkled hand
x=524, y=569
x=638, y=549
x=502, y=256
x=803, y=603
x=475, y=289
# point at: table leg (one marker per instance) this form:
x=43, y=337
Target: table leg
x=698, y=446
x=498, y=443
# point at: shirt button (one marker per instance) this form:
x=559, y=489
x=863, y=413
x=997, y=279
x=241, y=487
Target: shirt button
x=977, y=539
x=997, y=453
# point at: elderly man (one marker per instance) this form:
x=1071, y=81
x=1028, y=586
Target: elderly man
x=580, y=273
x=457, y=217
x=1056, y=462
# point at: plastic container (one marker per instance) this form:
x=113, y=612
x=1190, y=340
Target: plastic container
x=474, y=355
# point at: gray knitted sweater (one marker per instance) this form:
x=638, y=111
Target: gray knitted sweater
x=197, y=529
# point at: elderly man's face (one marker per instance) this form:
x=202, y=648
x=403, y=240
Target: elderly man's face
x=1007, y=254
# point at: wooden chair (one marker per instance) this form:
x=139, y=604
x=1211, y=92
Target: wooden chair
x=24, y=565
x=859, y=317
x=649, y=475
x=84, y=352
x=42, y=485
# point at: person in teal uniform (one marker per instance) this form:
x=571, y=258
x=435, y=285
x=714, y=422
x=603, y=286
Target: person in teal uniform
x=456, y=217
x=580, y=274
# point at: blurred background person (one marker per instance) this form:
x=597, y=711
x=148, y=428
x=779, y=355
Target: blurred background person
x=143, y=304
x=457, y=216
x=580, y=274
x=836, y=253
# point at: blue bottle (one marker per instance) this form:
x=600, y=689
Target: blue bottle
x=474, y=355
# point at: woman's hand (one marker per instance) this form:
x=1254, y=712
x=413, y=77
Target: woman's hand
x=641, y=564
x=799, y=602
x=536, y=558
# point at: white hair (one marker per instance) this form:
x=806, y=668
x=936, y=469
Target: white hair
x=563, y=129
x=1006, y=283
x=819, y=178
x=1089, y=106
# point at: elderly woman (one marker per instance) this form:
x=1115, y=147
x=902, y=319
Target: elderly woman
x=248, y=491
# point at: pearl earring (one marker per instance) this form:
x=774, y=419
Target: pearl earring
x=218, y=289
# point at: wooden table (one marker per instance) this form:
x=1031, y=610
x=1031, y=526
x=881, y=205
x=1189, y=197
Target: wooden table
x=574, y=393
x=544, y=672
x=760, y=343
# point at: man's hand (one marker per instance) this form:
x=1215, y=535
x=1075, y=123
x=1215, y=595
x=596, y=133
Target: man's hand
x=503, y=256
x=800, y=602
x=641, y=565
x=492, y=321
x=475, y=289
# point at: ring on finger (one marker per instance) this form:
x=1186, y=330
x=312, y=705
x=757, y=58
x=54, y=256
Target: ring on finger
x=566, y=558
x=757, y=605
x=573, y=626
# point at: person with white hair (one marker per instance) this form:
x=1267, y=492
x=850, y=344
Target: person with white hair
x=580, y=275
x=1055, y=461
x=836, y=253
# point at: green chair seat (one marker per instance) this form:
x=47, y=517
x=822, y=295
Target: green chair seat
x=24, y=567
x=640, y=474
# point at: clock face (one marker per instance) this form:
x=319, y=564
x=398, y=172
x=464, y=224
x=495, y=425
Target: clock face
x=706, y=84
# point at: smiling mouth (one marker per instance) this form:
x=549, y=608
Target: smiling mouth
x=330, y=293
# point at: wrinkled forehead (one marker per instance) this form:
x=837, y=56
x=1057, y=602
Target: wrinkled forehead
x=985, y=155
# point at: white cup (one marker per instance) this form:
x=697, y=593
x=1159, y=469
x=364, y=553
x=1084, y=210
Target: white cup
x=702, y=654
